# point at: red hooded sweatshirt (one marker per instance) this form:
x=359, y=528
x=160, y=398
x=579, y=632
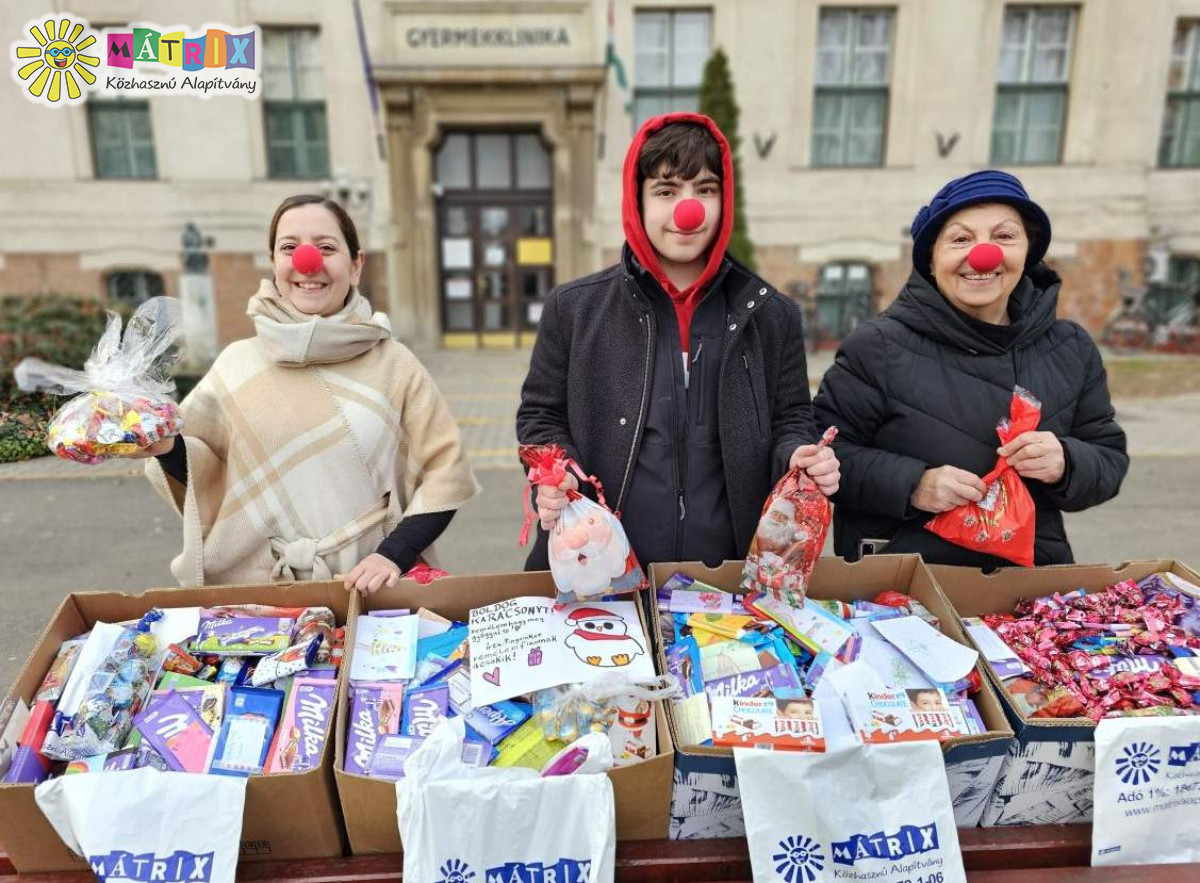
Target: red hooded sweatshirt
x=635, y=232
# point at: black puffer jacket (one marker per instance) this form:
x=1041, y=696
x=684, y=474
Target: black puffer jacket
x=920, y=387
x=590, y=384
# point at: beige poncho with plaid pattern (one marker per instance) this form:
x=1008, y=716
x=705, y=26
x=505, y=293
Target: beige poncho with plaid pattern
x=306, y=445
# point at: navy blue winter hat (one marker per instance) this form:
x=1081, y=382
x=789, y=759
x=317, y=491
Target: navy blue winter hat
x=986, y=186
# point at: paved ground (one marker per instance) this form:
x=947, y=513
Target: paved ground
x=67, y=527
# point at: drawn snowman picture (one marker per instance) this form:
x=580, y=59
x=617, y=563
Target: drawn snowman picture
x=601, y=638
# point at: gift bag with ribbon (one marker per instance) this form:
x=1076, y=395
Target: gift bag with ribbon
x=1004, y=522
x=590, y=555
x=147, y=825
x=791, y=533
x=122, y=396
x=460, y=822
x=866, y=812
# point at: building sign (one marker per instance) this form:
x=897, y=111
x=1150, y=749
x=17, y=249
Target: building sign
x=486, y=38
x=476, y=36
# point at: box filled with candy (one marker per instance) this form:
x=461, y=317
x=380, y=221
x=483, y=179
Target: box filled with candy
x=873, y=655
x=1067, y=646
x=216, y=681
x=487, y=648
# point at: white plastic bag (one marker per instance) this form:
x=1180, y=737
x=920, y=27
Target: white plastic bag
x=125, y=387
x=1147, y=807
x=461, y=823
x=878, y=813
x=144, y=825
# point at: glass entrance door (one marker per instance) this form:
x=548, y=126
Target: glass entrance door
x=495, y=242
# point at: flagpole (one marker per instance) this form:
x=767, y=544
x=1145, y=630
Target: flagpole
x=602, y=129
x=369, y=81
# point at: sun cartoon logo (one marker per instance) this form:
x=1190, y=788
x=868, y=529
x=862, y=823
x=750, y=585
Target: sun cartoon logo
x=799, y=859
x=51, y=71
x=1138, y=762
x=456, y=871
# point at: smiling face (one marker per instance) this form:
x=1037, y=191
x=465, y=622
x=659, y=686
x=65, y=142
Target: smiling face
x=982, y=295
x=59, y=53
x=681, y=253
x=324, y=292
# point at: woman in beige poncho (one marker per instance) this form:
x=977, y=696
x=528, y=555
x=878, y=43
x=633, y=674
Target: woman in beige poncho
x=320, y=446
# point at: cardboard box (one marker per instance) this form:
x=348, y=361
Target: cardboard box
x=272, y=828
x=642, y=790
x=705, y=800
x=1049, y=774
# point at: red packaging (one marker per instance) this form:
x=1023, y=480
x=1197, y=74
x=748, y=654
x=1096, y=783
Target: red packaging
x=790, y=535
x=1003, y=523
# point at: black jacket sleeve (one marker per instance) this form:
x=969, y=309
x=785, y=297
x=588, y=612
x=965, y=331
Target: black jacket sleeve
x=174, y=462
x=792, y=411
x=412, y=536
x=1095, y=449
x=853, y=397
x=542, y=415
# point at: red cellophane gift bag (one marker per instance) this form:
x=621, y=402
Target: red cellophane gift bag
x=791, y=533
x=1003, y=523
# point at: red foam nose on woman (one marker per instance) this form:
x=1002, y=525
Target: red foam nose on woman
x=985, y=257
x=307, y=259
x=689, y=214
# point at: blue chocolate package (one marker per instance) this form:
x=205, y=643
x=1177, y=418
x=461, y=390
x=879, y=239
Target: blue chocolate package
x=494, y=722
x=442, y=645
x=251, y=716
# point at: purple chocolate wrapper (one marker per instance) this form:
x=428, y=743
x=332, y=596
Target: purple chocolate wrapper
x=313, y=702
x=971, y=713
x=242, y=635
x=424, y=708
x=370, y=720
x=393, y=751
x=755, y=683
x=1130, y=664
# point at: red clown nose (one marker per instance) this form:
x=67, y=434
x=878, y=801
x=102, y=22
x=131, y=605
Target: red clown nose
x=689, y=214
x=985, y=257
x=307, y=259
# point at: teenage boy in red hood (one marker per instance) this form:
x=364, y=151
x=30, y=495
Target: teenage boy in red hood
x=676, y=377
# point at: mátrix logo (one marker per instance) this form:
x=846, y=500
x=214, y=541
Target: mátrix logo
x=1182, y=755
x=1138, y=763
x=909, y=840
x=181, y=867
x=565, y=870
x=799, y=859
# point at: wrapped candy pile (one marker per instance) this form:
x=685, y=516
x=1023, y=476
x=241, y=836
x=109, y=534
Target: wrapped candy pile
x=94, y=427
x=238, y=690
x=1131, y=648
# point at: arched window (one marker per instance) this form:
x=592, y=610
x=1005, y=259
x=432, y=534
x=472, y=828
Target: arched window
x=133, y=287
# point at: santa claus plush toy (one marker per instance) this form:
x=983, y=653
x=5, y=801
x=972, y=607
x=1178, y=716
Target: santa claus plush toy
x=601, y=638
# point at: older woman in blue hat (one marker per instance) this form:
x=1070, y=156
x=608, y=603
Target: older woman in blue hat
x=916, y=392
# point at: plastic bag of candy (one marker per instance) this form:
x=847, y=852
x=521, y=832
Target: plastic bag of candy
x=590, y=555
x=113, y=697
x=122, y=396
x=569, y=711
x=790, y=535
x=1003, y=523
